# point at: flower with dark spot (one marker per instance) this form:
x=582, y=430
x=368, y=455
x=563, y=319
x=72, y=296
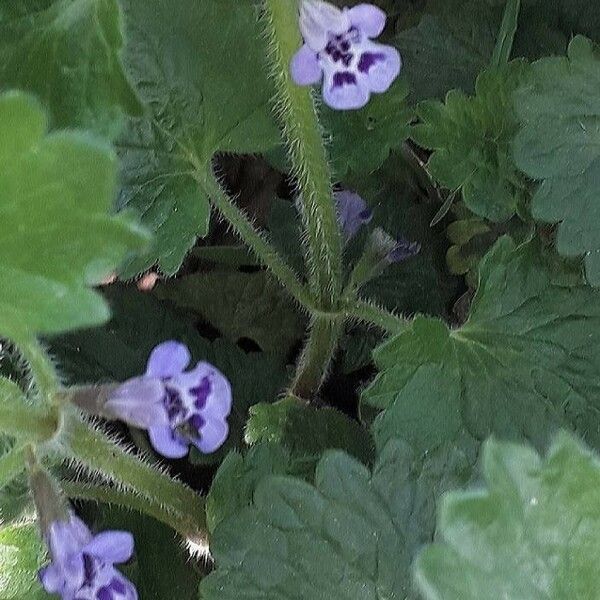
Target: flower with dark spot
x=82, y=566
x=403, y=250
x=339, y=50
x=177, y=407
x=352, y=212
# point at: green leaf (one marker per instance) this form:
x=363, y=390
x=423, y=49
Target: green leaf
x=120, y=350
x=472, y=139
x=526, y=361
x=533, y=532
x=250, y=305
x=21, y=555
x=200, y=100
x=306, y=432
x=363, y=139
x=448, y=48
x=75, y=45
x=560, y=113
x=234, y=484
x=161, y=568
x=56, y=234
x=351, y=535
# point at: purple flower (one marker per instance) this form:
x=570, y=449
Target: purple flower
x=403, y=250
x=82, y=566
x=352, y=212
x=338, y=48
x=177, y=407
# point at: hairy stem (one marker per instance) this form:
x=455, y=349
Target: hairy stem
x=20, y=419
x=42, y=370
x=296, y=108
x=316, y=356
x=255, y=240
x=99, y=453
x=506, y=35
x=12, y=463
x=372, y=314
x=182, y=523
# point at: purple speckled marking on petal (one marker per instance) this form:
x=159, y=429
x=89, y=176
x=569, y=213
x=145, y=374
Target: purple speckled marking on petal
x=201, y=392
x=174, y=404
x=369, y=59
x=104, y=593
x=117, y=586
x=89, y=568
x=366, y=215
x=197, y=422
x=342, y=78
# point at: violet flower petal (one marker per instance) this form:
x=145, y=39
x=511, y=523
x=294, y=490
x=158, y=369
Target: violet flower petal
x=165, y=442
x=220, y=399
x=51, y=578
x=139, y=402
x=111, y=546
x=318, y=20
x=368, y=18
x=212, y=435
x=380, y=65
x=344, y=90
x=352, y=212
x=168, y=360
x=66, y=538
x=305, y=68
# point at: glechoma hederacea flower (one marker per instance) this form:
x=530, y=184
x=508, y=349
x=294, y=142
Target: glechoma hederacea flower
x=402, y=250
x=338, y=48
x=82, y=566
x=352, y=212
x=177, y=407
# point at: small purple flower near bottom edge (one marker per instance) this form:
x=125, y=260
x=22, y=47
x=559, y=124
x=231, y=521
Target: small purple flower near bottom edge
x=352, y=212
x=403, y=250
x=338, y=49
x=82, y=565
x=177, y=407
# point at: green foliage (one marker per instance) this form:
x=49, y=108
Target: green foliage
x=560, y=112
x=250, y=305
x=525, y=362
x=120, y=350
x=201, y=99
x=306, y=432
x=21, y=555
x=352, y=534
x=67, y=53
x=56, y=234
x=533, y=532
x=472, y=139
x=448, y=48
x=361, y=140
x=234, y=484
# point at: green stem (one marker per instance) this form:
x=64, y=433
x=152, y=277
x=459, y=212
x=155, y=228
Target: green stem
x=12, y=463
x=41, y=368
x=255, y=240
x=106, y=494
x=20, y=419
x=316, y=356
x=99, y=453
x=506, y=35
x=296, y=107
x=374, y=315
